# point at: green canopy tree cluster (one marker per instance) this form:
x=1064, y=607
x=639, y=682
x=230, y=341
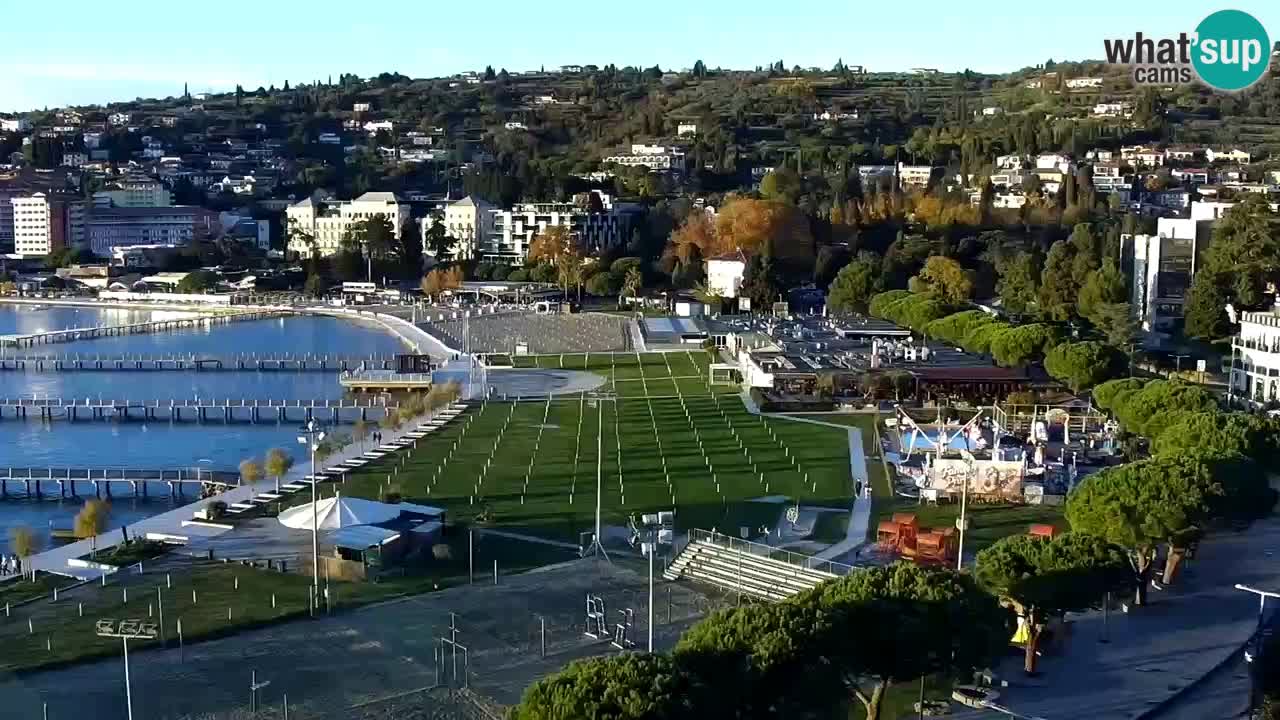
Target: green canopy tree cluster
x=1079, y=365
x=1084, y=364
x=1148, y=408
x=1043, y=578
x=795, y=658
x=1169, y=500
x=1240, y=262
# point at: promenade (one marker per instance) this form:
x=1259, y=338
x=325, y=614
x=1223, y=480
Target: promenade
x=1155, y=655
x=171, y=522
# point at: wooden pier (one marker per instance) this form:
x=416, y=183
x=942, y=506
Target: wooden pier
x=42, y=483
x=384, y=380
x=227, y=410
x=198, y=363
x=73, y=334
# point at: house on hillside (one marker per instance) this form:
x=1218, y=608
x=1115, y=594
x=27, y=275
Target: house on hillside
x=725, y=274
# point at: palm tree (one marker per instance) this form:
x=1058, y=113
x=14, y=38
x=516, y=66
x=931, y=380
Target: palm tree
x=631, y=284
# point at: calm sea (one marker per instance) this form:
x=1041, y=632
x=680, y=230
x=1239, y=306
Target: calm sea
x=160, y=444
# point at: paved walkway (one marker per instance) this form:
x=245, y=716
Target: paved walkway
x=1157, y=656
x=860, y=512
x=170, y=522
x=530, y=538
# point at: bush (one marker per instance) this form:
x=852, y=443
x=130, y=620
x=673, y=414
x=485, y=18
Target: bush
x=92, y=518
x=953, y=328
x=1149, y=411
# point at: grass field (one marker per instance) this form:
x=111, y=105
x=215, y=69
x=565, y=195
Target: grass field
x=667, y=440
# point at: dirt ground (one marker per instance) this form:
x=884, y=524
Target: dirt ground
x=378, y=661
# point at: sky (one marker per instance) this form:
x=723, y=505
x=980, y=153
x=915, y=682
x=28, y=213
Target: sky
x=151, y=49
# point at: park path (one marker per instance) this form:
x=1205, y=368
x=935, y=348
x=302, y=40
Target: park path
x=860, y=512
x=1169, y=660
x=530, y=538
x=55, y=560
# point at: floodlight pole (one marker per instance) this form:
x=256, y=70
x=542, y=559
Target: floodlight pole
x=128, y=692
x=653, y=549
x=310, y=441
x=596, y=545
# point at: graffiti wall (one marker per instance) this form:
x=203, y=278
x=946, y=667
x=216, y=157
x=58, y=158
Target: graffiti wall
x=987, y=477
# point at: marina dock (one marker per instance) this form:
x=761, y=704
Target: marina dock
x=227, y=410
x=49, y=482
x=197, y=321
x=198, y=363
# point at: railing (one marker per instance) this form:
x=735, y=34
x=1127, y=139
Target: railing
x=800, y=560
x=194, y=403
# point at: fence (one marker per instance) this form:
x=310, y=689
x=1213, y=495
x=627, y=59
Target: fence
x=800, y=560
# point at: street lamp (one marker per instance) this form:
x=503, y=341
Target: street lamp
x=312, y=437
x=1257, y=651
x=962, y=523
x=126, y=629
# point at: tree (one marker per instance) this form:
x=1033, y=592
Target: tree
x=694, y=239
x=379, y=237
x=1102, y=287
x=852, y=289
x=601, y=284
x=1018, y=286
x=440, y=280
x=551, y=244
x=24, y=541
x=410, y=248
x=758, y=226
x=92, y=518
x=250, y=471
x=631, y=686
x=360, y=431
x=909, y=621
x=437, y=240
x=391, y=420
x=946, y=279
x=278, y=463
x=1242, y=259
x=1167, y=499
x=1042, y=578
x=197, y=281
x=1254, y=436
x=783, y=184
x=760, y=282
x=631, y=284
x=1058, y=288
x=1084, y=364
x=1020, y=345
x=1116, y=323
x=314, y=286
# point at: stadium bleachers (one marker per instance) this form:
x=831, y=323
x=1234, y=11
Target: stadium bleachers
x=734, y=569
x=545, y=334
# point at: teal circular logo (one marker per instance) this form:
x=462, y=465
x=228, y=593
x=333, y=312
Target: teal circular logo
x=1231, y=50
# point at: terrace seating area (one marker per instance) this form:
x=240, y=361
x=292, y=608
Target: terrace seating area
x=739, y=570
x=335, y=472
x=544, y=334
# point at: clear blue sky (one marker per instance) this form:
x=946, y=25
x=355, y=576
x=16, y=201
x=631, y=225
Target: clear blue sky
x=74, y=54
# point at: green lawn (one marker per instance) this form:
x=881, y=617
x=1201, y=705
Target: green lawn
x=532, y=466
x=61, y=634
x=21, y=590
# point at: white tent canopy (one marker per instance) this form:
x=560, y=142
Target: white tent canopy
x=339, y=512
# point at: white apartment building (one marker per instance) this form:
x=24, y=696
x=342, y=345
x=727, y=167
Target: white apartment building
x=725, y=273
x=328, y=222
x=915, y=175
x=654, y=157
x=46, y=222
x=1085, y=82
x=360, y=107
x=1233, y=155
x=372, y=127
x=1163, y=266
x=469, y=221
x=120, y=118
x=1109, y=177
x=107, y=229
x=1255, y=359
x=684, y=129
x=134, y=192
x=15, y=125
x=1113, y=110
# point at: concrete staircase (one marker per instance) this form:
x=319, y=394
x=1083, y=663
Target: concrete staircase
x=741, y=570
